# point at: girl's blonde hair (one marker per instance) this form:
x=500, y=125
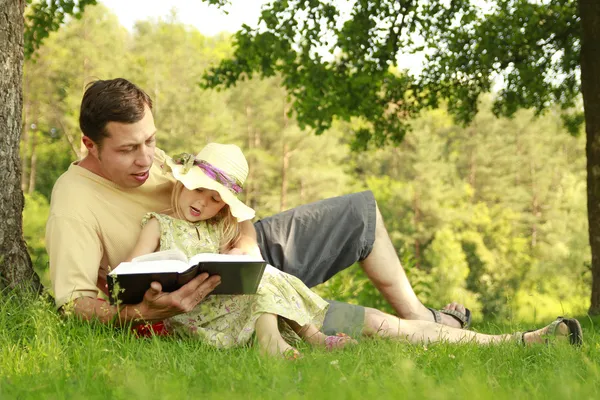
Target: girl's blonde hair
x=229, y=226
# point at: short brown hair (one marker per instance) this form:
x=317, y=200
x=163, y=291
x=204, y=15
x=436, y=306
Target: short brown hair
x=116, y=100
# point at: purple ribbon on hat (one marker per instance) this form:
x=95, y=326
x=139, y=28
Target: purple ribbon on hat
x=214, y=173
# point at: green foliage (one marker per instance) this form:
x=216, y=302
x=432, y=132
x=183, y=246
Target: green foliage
x=533, y=46
x=343, y=65
x=45, y=16
x=449, y=271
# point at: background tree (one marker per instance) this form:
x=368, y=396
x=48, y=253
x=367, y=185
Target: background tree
x=341, y=64
x=43, y=17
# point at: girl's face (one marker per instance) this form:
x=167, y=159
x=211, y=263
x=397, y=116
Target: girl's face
x=200, y=204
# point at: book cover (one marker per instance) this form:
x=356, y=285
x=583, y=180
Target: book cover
x=129, y=281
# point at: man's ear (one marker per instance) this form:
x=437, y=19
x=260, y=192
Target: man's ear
x=91, y=146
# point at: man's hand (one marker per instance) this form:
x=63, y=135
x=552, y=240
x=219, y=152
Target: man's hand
x=158, y=305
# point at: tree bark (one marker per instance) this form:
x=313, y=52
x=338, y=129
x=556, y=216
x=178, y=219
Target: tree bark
x=249, y=185
x=285, y=160
x=32, y=164
x=285, y=165
x=15, y=264
x=589, y=10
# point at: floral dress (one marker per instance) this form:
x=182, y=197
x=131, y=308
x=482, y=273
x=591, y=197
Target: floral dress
x=228, y=320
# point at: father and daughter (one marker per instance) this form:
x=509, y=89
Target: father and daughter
x=204, y=218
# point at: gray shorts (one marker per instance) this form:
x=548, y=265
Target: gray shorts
x=316, y=241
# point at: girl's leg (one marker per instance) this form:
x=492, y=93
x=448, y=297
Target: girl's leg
x=378, y=323
x=311, y=334
x=269, y=338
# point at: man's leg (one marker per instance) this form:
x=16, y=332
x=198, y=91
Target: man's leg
x=378, y=323
x=315, y=241
x=383, y=268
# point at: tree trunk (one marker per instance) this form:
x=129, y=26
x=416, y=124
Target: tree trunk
x=535, y=204
x=285, y=165
x=25, y=141
x=15, y=263
x=285, y=160
x=32, y=164
x=249, y=185
x=416, y=221
x=589, y=10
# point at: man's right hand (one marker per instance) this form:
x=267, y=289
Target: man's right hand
x=158, y=305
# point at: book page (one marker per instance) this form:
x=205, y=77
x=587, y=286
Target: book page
x=150, y=267
x=206, y=257
x=171, y=254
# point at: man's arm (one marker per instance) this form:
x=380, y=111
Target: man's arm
x=156, y=306
x=75, y=252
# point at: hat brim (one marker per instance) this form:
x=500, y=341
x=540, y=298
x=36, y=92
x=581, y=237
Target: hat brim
x=196, y=178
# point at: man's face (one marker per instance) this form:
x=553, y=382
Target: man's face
x=126, y=156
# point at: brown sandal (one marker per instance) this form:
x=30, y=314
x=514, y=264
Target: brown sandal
x=575, y=332
x=464, y=319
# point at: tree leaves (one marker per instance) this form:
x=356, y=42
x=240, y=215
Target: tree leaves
x=45, y=16
x=343, y=65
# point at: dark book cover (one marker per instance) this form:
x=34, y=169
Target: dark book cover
x=237, y=277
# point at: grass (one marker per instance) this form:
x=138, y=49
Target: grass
x=43, y=355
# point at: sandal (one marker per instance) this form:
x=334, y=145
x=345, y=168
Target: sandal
x=464, y=319
x=339, y=341
x=575, y=333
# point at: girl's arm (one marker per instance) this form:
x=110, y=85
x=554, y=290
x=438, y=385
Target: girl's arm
x=148, y=241
x=246, y=243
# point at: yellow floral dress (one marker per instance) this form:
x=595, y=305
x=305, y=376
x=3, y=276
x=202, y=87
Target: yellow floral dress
x=228, y=320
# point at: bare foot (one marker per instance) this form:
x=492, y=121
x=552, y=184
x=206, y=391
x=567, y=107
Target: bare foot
x=339, y=341
x=274, y=345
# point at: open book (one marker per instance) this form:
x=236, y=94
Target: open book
x=240, y=274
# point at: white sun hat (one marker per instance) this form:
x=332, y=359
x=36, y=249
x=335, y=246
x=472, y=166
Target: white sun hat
x=220, y=167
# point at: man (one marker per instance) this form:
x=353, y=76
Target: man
x=97, y=206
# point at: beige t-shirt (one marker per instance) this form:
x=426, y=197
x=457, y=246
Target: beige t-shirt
x=94, y=225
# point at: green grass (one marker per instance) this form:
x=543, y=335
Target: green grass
x=43, y=355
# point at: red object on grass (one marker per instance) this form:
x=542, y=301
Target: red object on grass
x=148, y=330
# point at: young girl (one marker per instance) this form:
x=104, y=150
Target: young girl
x=204, y=219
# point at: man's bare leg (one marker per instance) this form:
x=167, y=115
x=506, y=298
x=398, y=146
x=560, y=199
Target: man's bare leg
x=383, y=268
x=378, y=323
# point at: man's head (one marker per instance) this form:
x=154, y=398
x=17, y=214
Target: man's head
x=118, y=127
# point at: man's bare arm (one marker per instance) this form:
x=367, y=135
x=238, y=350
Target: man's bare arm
x=156, y=306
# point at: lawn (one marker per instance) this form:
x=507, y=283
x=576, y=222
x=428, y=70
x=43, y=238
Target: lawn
x=45, y=356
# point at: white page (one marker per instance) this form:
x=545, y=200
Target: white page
x=145, y=267
x=204, y=257
x=171, y=254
